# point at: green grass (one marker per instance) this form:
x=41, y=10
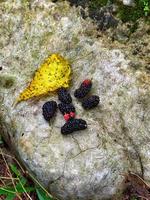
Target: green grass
x=18, y=184
x=94, y=4
x=146, y=6
x=133, y=13
x=125, y=13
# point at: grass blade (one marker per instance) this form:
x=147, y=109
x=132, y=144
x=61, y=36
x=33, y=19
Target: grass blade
x=15, y=170
x=42, y=195
x=7, y=191
x=22, y=182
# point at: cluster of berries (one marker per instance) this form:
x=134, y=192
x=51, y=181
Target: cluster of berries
x=85, y=87
x=68, y=110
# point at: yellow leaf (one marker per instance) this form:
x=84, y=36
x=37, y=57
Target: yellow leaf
x=54, y=73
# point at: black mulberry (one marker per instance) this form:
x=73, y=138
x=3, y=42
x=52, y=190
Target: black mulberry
x=91, y=102
x=49, y=109
x=84, y=89
x=64, y=96
x=73, y=125
x=66, y=108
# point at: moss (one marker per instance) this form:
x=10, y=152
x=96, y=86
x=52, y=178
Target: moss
x=6, y=81
x=129, y=13
x=134, y=27
x=95, y=4
x=125, y=13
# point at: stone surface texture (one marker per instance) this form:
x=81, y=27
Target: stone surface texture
x=88, y=164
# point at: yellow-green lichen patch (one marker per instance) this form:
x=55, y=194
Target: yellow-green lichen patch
x=6, y=82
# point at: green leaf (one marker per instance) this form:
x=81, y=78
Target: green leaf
x=22, y=182
x=10, y=197
x=15, y=170
x=7, y=190
x=29, y=189
x=42, y=195
x=26, y=189
x=21, y=186
x=21, y=189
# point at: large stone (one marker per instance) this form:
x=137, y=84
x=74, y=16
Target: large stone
x=87, y=164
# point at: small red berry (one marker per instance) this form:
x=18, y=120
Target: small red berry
x=72, y=114
x=86, y=82
x=66, y=117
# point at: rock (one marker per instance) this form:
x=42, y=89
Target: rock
x=103, y=17
x=100, y=12
x=121, y=36
x=88, y=164
x=128, y=2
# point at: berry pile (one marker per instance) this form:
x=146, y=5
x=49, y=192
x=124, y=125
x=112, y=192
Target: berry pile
x=84, y=89
x=68, y=110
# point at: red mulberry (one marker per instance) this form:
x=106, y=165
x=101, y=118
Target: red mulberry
x=66, y=108
x=73, y=125
x=49, y=109
x=72, y=114
x=64, y=96
x=67, y=117
x=84, y=89
x=90, y=102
